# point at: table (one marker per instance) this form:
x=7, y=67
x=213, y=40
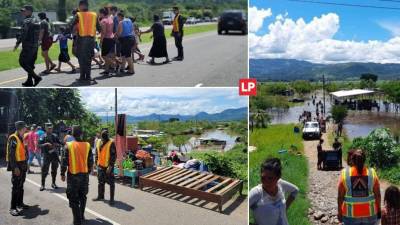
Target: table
x=134, y=173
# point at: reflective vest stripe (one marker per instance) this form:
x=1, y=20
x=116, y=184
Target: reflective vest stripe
x=103, y=156
x=87, y=24
x=78, y=154
x=363, y=199
x=175, y=25
x=19, y=151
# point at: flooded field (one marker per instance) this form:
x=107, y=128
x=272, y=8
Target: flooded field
x=217, y=134
x=357, y=123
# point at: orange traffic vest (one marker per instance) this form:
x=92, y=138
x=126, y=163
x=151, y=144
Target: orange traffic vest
x=175, y=24
x=359, y=206
x=87, y=24
x=78, y=157
x=103, y=153
x=19, y=151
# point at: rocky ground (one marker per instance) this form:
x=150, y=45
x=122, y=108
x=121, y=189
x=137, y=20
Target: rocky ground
x=322, y=187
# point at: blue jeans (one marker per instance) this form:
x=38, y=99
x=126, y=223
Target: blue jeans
x=35, y=155
x=360, y=221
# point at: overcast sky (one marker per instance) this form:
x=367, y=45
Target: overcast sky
x=325, y=33
x=145, y=101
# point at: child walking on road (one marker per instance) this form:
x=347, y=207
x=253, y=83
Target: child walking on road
x=63, y=57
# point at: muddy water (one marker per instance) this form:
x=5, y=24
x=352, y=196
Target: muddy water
x=357, y=124
x=217, y=134
x=360, y=124
x=291, y=115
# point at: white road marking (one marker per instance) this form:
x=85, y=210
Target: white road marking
x=198, y=85
x=66, y=199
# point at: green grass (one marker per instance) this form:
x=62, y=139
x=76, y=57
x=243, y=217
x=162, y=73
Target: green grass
x=295, y=169
x=9, y=59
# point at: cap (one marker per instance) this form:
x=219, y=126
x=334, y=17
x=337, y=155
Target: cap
x=76, y=131
x=48, y=125
x=27, y=8
x=19, y=125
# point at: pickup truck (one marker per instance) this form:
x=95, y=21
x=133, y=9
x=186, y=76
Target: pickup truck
x=311, y=130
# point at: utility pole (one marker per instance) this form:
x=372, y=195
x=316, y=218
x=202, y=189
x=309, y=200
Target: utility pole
x=323, y=91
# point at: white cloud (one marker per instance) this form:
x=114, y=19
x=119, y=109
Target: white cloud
x=145, y=101
x=392, y=26
x=315, y=41
x=256, y=18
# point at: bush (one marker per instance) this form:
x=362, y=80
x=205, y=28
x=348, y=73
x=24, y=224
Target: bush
x=339, y=113
x=380, y=147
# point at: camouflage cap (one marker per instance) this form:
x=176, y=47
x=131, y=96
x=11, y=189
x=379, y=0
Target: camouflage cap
x=27, y=8
x=19, y=125
x=48, y=125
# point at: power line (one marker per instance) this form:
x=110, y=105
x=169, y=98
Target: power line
x=347, y=4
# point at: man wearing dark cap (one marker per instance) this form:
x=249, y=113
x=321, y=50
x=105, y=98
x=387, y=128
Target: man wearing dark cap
x=105, y=160
x=78, y=159
x=86, y=24
x=29, y=37
x=17, y=157
x=177, y=32
x=50, y=145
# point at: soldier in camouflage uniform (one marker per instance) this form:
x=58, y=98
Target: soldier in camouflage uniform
x=29, y=38
x=49, y=144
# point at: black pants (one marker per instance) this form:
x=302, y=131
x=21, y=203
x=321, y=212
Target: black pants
x=17, y=193
x=77, y=189
x=27, y=60
x=85, y=53
x=178, y=43
x=104, y=178
x=47, y=160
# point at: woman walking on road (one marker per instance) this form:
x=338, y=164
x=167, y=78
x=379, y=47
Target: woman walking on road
x=359, y=197
x=159, y=47
x=267, y=200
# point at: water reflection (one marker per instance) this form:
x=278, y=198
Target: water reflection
x=217, y=134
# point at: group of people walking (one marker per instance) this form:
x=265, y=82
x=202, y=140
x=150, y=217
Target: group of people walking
x=359, y=197
x=108, y=37
x=76, y=161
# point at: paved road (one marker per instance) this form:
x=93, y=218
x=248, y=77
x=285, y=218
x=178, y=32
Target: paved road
x=8, y=44
x=210, y=60
x=132, y=206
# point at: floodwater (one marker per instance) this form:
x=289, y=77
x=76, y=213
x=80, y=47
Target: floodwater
x=357, y=123
x=360, y=124
x=217, y=134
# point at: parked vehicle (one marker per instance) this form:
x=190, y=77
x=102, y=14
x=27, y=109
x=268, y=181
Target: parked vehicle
x=311, y=130
x=168, y=17
x=232, y=20
x=191, y=20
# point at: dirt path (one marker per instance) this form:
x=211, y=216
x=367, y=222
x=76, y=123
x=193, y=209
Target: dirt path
x=323, y=185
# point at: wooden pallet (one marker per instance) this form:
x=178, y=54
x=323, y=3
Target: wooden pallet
x=193, y=183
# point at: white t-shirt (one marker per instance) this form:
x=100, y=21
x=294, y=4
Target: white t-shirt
x=271, y=210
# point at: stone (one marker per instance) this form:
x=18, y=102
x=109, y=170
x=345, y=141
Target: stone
x=318, y=215
x=324, y=219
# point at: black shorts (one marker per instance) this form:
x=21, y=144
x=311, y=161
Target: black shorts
x=108, y=46
x=126, y=46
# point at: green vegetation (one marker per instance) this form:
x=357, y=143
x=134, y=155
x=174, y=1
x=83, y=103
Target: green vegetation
x=143, y=10
x=339, y=113
x=232, y=163
x=56, y=105
x=382, y=152
x=9, y=59
x=295, y=169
